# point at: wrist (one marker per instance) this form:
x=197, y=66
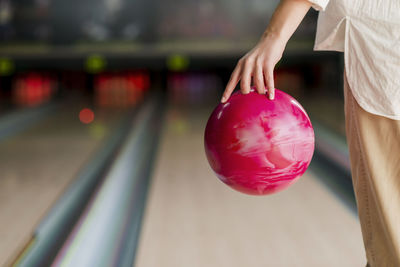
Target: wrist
x=272, y=35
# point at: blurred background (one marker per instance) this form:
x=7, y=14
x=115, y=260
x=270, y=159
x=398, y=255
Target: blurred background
x=103, y=105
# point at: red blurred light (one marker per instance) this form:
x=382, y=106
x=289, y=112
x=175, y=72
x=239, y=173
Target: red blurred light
x=32, y=89
x=86, y=115
x=121, y=90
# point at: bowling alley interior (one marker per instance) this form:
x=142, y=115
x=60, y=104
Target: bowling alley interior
x=104, y=156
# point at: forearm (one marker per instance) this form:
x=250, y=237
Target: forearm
x=286, y=19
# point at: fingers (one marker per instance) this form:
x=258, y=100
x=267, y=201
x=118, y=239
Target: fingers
x=245, y=79
x=246, y=68
x=269, y=79
x=232, y=83
x=258, y=78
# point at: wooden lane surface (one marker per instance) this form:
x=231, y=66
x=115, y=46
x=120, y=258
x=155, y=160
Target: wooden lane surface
x=192, y=219
x=37, y=165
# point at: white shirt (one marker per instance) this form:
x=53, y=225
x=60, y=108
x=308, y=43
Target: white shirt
x=368, y=32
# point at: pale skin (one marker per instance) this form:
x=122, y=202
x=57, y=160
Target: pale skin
x=257, y=66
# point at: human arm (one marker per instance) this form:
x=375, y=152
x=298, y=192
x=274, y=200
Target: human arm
x=258, y=64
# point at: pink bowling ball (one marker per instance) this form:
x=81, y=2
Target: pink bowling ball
x=259, y=146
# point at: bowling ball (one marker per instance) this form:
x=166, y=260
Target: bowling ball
x=259, y=146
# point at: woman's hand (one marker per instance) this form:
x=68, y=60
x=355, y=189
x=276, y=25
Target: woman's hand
x=257, y=67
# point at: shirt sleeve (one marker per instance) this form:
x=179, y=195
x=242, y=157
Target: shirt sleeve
x=319, y=5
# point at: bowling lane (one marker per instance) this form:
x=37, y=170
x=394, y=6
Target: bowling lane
x=192, y=219
x=37, y=165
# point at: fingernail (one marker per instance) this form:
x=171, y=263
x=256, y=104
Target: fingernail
x=271, y=96
x=223, y=99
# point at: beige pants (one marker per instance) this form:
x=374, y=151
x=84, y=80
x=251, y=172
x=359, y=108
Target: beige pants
x=374, y=145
